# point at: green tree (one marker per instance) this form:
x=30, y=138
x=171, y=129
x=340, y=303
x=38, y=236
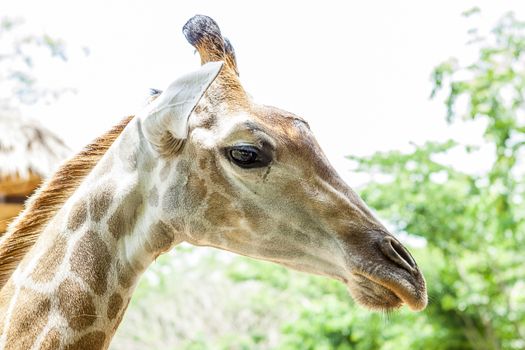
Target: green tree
x=475, y=222
x=472, y=222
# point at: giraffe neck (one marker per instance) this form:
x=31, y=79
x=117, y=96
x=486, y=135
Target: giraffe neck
x=73, y=287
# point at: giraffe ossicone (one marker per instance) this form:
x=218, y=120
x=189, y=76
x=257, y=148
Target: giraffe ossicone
x=204, y=164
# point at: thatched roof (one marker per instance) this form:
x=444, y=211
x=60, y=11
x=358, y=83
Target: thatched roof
x=28, y=147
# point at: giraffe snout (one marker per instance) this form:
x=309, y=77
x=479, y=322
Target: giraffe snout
x=396, y=253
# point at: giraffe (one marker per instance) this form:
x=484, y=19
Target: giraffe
x=204, y=164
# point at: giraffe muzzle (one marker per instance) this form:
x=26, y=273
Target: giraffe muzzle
x=383, y=274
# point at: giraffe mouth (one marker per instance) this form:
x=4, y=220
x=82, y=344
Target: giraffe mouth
x=388, y=290
x=383, y=275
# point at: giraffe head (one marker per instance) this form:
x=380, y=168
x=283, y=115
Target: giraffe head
x=251, y=179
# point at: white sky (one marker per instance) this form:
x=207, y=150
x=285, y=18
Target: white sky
x=357, y=71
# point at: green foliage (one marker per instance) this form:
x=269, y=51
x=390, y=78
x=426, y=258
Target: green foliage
x=472, y=222
x=323, y=316
x=193, y=298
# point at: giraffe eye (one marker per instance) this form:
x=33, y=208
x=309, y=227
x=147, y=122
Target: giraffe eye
x=246, y=156
x=243, y=156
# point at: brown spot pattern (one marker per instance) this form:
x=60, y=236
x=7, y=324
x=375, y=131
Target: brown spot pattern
x=208, y=121
x=183, y=167
x=257, y=217
x=216, y=176
x=100, y=201
x=90, y=260
x=78, y=215
x=121, y=316
x=176, y=225
x=51, y=340
x=49, y=199
x=187, y=192
x=76, y=305
x=123, y=219
x=91, y=341
x=160, y=238
x=171, y=199
x=117, y=223
x=197, y=189
x=114, y=306
x=32, y=312
x=49, y=262
x=202, y=163
x=219, y=209
x=125, y=273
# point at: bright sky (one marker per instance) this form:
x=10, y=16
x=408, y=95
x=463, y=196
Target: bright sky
x=357, y=71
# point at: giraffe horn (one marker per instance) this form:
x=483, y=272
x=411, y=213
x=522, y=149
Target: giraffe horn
x=230, y=58
x=203, y=33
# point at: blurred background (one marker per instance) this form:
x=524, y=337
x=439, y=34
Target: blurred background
x=419, y=106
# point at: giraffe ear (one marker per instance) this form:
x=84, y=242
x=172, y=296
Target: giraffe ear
x=165, y=120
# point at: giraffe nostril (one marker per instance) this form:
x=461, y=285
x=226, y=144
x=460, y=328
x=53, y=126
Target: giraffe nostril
x=398, y=254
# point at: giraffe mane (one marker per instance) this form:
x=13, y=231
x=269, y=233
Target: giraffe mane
x=48, y=199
